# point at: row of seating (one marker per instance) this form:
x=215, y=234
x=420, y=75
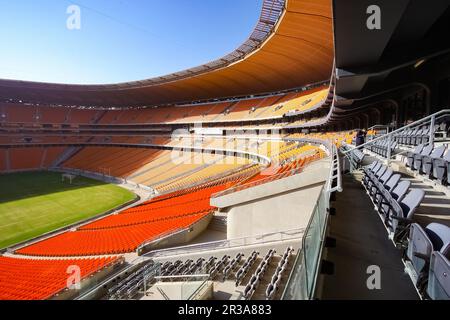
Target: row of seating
x=258, y=275
x=275, y=283
x=430, y=161
x=426, y=250
x=46, y=115
x=31, y=279
x=354, y=155
x=128, y=287
x=414, y=136
x=232, y=266
x=427, y=260
x=108, y=241
x=393, y=199
x=242, y=272
x=218, y=267
x=383, y=147
x=33, y=158
x=148, y=213
x=256, y=108
x=212, y=266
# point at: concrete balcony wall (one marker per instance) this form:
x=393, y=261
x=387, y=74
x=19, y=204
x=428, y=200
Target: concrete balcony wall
x=284, y=204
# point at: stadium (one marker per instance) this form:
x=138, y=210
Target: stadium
x=312, y=162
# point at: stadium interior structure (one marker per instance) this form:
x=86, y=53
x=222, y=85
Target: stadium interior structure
x=250, y=183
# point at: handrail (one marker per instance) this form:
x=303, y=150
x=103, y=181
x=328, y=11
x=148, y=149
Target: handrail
x=165, y=296
x=227, y=244
x=335, y=162
x=183, y=276
x=249, y=185
x=335, y=167
x=411, y=125
x=160, y=237
x=300, y=261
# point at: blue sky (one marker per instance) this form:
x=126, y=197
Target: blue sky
x=119, y=40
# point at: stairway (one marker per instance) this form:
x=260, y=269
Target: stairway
x=66, y=155
x=218, y=223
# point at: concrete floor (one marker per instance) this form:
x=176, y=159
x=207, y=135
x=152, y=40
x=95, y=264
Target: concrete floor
x=361, y=241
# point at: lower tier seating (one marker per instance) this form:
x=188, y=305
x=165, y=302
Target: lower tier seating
x=107, y=241
x=27, y=279
x=185, y=205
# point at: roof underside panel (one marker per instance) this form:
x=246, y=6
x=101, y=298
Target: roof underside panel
x=291, y=46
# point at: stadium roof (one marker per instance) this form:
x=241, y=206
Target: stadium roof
x=291, y=46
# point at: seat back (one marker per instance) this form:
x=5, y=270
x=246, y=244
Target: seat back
x=439, y=277
x=400, y=191
x=439, y=235
x=380, y=172
x=427, y=150
x=376, y=168
x=419, y=148
x=386, y=176
x=438, y=152
x=446, y=157
x=419, y=242
x=411, y=201
x=392, y=182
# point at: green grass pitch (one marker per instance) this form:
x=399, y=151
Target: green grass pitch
x=34, y=203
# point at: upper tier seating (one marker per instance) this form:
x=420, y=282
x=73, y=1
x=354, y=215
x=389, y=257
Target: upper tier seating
x=238, y=110
x=27, y=279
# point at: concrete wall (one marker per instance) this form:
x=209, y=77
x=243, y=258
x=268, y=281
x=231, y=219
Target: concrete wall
x=281, y=205
x=180, y=238
x=285, y=211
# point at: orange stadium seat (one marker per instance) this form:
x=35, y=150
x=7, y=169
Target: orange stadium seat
x=50, y=155
x=52, y=115
x=77, y=116
x=26, y=158
x=29, y=279
x=107, y=241
x=185, y=205
x=19, y=113
x=120, y=162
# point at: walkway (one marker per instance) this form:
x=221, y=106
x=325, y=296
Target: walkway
x=361, y=241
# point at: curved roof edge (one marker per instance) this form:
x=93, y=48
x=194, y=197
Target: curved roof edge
x=291, y=46
x=270, y=15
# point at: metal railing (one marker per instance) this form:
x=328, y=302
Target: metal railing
x=227, y=244
x=302, y=281
x=303, y=278
x=334, y=183
x=268, y=179
x=159, y=238
x=430, y=121
x=335, y=167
